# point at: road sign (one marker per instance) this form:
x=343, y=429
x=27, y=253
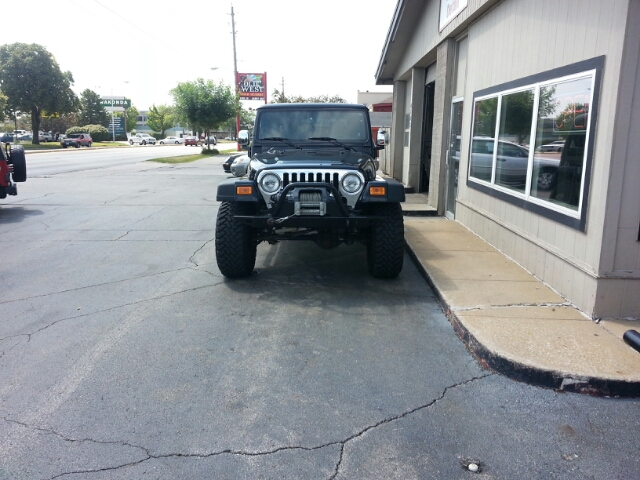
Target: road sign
x=117, y=124
x=116, y=102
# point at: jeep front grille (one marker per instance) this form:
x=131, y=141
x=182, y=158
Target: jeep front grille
x=307, y=177
x=331, y=177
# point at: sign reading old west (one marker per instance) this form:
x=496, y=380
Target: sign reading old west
x=252, y=86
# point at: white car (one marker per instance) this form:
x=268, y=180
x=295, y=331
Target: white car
x=552, y=147
x=172, y=141
x=142, y=139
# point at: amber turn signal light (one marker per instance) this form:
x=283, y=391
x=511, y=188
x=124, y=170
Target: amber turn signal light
x=248, y=190
x=377, y=191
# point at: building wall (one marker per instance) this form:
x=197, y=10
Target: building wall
x=597, y=267
x=620, y=257
x=519, y=38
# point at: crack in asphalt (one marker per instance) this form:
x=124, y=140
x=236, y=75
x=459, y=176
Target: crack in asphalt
x=150, y=456
x=114, y=282
x=196, y=252
x=159, y=297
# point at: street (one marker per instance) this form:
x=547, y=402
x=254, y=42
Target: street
x=124, y=353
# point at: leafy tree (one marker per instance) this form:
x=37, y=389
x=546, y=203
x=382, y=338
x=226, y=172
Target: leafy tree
x=91, y=110
x=59, y=123
x=247, y=119
x=160, y=118
x=33, y=82
x=205, y=105
x=131, y=115
x=279, y=97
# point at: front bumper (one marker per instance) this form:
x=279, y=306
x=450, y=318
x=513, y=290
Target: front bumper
x=310, y=205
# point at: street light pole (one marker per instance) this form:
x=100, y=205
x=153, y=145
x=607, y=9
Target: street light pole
x=235, y=69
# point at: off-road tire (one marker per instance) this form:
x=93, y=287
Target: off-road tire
x=235, y=242
x=385, y=250
x=19, y=164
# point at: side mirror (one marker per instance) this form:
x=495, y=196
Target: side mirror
x=243, y=138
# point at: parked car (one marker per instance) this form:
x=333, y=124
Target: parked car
x=76, y=140
x=142, y=139
x=191, y=141
x=25, y=137
x=226, y=166
x=552, y=147
x=45, y=136
x=211, y=140
x=7, y=138
x=171, y=141
x=382, y=137
x=511, y=165
x=240, y=165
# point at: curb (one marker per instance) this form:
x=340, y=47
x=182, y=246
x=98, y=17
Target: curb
x=561, y=382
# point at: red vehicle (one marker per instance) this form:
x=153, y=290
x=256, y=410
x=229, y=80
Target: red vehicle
x=191, y=141
x=13, y=168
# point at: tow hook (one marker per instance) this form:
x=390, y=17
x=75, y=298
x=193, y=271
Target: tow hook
x=276, y=221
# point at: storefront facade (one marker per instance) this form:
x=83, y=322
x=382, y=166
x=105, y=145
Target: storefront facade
x=520, y=118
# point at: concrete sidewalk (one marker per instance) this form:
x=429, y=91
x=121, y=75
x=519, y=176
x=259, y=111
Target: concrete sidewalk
x=512, y=322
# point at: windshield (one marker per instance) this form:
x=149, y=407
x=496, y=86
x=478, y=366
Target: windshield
x=339, y=124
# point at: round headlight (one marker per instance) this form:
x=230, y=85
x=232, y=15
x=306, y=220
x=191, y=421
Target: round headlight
x=270, y=183
x=351, y=183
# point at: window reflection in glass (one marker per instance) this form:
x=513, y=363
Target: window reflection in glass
x=516, y=115
x=563, y=117
x=484, y=125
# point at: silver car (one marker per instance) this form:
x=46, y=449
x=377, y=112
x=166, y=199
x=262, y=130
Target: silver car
x=240, y=166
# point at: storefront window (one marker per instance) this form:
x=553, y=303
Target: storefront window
x=563, y=117
x=540, y=153
x=516, y=114
x=484, y=127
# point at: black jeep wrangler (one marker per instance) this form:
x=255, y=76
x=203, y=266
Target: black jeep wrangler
x=312, y=176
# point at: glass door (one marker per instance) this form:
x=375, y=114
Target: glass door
x=453, y=158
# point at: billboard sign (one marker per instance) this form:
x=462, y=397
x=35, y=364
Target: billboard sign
x=252, y=86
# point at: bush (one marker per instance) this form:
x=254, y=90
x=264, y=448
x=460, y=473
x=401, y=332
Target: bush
x=98, y=132
x=213, y=151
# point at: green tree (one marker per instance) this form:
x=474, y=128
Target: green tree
x=279, y=97
x=91, y=110
x=131, y=115
x=160, y=118
x=205, y=105
x=33, y=82
x=59, y=123
x=247, y=119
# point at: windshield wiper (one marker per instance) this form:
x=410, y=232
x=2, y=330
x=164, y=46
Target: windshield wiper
x=334, y=141
x=283, y=140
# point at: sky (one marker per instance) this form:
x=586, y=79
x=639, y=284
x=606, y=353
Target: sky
x=142, y=49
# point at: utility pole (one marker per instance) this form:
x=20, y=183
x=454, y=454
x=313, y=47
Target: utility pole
x=235, y=68
x=283, y=87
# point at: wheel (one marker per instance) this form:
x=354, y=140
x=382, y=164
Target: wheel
x=559, y=149
x=235, y=242
x=77, y=145
x=130, y=142
x=546, y=180
x=385, y=250
x=64, y=145
x=89, y=144
x=144, y=142
x=177, y=143
x=19, y=164
x=161, y=142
